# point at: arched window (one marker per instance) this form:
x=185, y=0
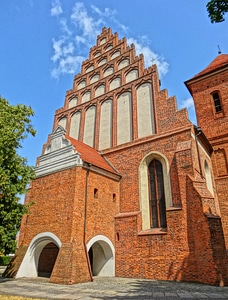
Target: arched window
x=157, y=204
x=154, y=190
x=217, y=102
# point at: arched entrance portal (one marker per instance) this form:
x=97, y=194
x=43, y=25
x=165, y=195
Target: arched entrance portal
x=101, y=256
x=47, y=260
x=40, y=256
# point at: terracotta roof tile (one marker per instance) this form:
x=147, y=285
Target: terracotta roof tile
x=219, y=61
x=90, y=155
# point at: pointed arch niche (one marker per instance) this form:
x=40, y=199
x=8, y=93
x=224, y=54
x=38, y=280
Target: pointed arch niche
x=124, y=118
x=89, y=130
x=63, y=122
x=132, y=75
x=73, y=102
x=75, y=125
x=105, y=136
x=145, y=110
x=115, y=83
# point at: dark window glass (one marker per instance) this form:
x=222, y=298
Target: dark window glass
x=157, y=195
x=217, y=102
x=95, y=193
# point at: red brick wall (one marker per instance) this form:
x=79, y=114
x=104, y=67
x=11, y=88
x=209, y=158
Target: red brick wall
x=53, y=196
x=60, y=208
x=184, y=252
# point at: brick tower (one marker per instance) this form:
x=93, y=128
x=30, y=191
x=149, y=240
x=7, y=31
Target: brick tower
x=209, y=89
x=124, y=185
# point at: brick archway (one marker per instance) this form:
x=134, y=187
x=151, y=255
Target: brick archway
x=102, y=256
x=30, y=263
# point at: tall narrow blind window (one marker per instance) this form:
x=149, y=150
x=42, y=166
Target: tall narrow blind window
x=156, y=195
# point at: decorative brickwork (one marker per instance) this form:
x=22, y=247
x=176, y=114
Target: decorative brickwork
x=96, y=201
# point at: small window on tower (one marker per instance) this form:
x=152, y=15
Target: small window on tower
x=95, y=193
x=217, y=102
x=114, y=197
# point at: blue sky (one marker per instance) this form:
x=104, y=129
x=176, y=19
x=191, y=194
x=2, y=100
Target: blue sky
x=43, y=42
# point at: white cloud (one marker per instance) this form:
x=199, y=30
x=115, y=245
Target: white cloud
x=56, y=9
x=57, y=45
x=66, y=62
x=107, y=13
x=110, y=16
x=78, y=32
x=64, y=26
x=188, y=103
x=96, y=10
x=80, y=39
x=150, y=57
x=83, y=21
x=67, y=65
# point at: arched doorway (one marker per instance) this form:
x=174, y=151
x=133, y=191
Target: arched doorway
x=47, y=260
x=101, y=256
x=40, y=257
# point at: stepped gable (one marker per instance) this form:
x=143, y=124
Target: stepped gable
x=90, y=155
x=113, y=76
x=102, y=65
x=220, y=61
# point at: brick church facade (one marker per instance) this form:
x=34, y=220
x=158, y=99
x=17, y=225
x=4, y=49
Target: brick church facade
x=126, y=185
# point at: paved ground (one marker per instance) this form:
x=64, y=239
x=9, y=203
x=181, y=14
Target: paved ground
x=112, y=288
